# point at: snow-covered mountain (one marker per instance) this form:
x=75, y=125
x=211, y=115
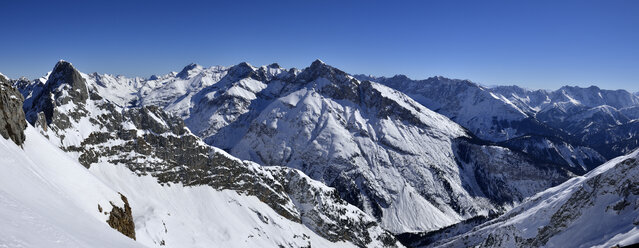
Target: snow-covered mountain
x=382, y=151
x=581, y=112
x=317, y=156
x=598, y=209
x=182, y=191
x=488, y=115
x=510, y=112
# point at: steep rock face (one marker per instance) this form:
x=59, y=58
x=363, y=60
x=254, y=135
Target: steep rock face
x=148, y=141
x=12, y=121
x=331, y=217
x=121, y=219
x=64, y=85
x=579, y=159
x=565, y=215
x=503, y=175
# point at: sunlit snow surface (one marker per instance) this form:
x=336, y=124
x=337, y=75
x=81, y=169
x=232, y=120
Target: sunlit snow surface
x=49, y=200
x=201, y=216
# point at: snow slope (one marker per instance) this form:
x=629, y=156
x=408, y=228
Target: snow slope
x=199, y=216
x=49, y=200
x=598, y=209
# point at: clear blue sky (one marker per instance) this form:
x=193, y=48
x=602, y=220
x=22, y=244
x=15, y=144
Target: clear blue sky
x=537, y=44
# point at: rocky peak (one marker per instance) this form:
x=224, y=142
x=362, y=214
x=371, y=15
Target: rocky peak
x=241, y=70
x=320, y=69
x=184, y=74
x=12, y=121
x=64, y=85
x=65, y=73
x=274, y=66
x=450, y=81
x=400, y=77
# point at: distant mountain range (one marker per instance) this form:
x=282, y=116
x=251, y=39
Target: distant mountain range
x=591, y=120
x=318, y=157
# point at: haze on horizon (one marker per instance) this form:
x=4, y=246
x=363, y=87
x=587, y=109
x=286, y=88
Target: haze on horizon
x=540, y=44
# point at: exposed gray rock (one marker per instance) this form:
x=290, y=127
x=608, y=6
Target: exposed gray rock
x=65, y=84
x=121, y=218
x=322, y=209
x=12, y=121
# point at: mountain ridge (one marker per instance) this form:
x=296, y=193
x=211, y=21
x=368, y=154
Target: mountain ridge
x=149, y=142
x=223, y=104
x=342, y=131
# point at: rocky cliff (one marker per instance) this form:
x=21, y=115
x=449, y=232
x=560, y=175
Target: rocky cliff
x=12, y=121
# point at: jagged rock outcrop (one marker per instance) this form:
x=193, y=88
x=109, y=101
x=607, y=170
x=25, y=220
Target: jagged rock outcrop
x=121, y=219
x=64, y=85
x=12, y=121
x=329, y=215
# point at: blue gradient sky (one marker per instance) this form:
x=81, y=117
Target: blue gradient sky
x=536, y=44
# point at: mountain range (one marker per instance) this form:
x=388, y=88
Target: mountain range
x=267, y=156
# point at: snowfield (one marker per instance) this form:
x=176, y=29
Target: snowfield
x=49, y=200
x=201, y=216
